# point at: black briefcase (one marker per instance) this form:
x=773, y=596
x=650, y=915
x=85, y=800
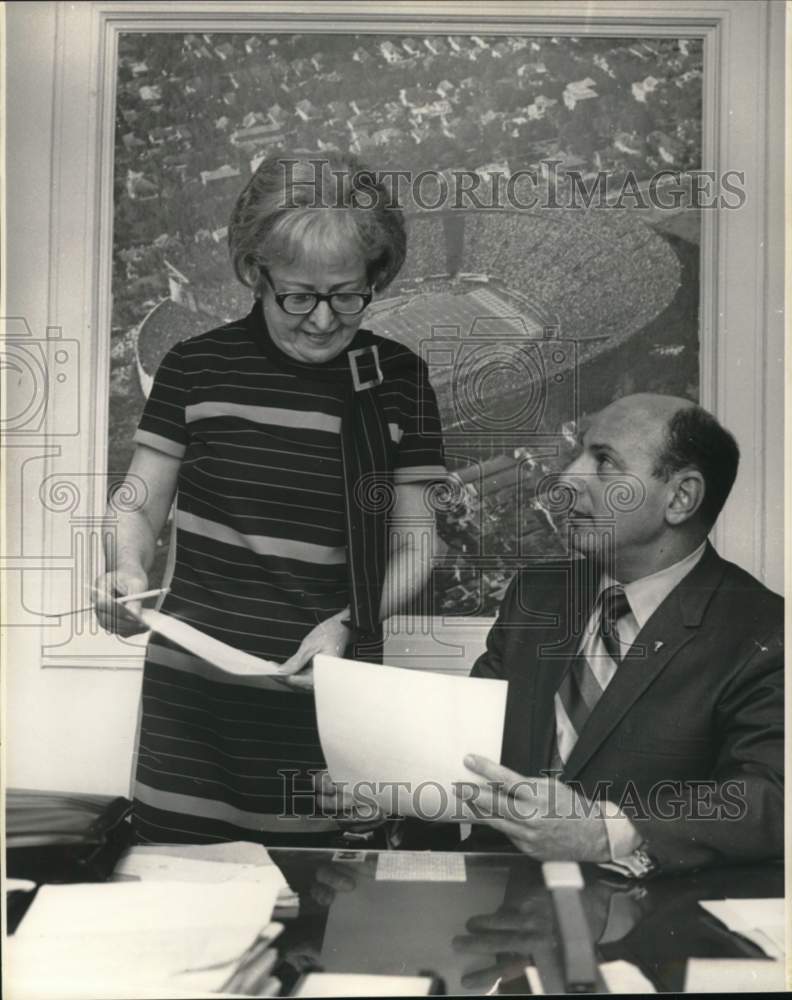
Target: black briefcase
x=64, y=837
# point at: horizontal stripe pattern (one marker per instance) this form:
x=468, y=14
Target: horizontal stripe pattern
x=160, y=443
x=260, y=561
x=285, y=548
x=276, y=416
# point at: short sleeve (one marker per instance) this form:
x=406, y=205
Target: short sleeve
x=163, y=426
x=420, y=455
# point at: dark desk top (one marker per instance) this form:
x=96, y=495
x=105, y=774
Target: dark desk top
x=499, y=919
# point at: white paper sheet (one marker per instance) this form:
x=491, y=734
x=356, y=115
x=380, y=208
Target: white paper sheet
x=151, y=864
x=420, y=866
x=382, y=725
x=124, y=965
x=83, y=909
x=127, y=938
x=734, y=975
x=209, y=863
x=624, y=977
x=328, y=984
x=231, y=852
x=233, y=661
x=108, y=965
x=762, y=921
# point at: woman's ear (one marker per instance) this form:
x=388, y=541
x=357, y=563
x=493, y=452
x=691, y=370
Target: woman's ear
x=251, y=272
x=689, y=488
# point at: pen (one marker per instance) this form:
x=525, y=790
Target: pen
x=124, y=599
x=141, y=596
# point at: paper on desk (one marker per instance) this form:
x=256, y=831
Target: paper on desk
x=762, y=921
x=97, y=939
x=208, y=863
x=421, y=866
x=233, y=661
x=149, y=863
x=734, y=975
x=381, y=725
x=231, y=852
x=116, y=907
x=330, y=984
x=56, y=966
x=624, y=977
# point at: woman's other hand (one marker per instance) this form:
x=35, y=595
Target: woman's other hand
x=115, y=617
x=337, y=801
x=330, y=637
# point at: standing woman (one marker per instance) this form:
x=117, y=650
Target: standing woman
x=295, y=443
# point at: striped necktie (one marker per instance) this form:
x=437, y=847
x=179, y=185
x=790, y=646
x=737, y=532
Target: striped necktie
x=589, y=674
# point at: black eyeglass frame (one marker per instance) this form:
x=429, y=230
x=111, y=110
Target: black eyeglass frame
x=281, y=297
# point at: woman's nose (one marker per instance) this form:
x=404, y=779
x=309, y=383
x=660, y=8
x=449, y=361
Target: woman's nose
x=323, y=317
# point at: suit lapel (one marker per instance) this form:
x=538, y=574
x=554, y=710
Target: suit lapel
x=672, y=625
x=552, y=650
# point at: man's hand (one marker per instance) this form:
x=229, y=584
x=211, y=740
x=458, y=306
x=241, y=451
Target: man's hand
x=329, y=637
x=542, y=817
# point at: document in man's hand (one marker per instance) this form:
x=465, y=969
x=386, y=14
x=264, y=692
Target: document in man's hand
x=398, y=737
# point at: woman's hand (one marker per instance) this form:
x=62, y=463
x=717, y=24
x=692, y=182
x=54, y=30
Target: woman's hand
x=115, y=617
x=337, y=802
x=329, y=637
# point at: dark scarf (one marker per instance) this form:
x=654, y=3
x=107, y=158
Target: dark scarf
x=367, y=453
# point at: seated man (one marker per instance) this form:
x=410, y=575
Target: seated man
x=644, y=721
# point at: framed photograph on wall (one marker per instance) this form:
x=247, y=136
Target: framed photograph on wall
x=585, y=193
x=554, y=190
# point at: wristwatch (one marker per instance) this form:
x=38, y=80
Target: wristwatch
x=641, y=862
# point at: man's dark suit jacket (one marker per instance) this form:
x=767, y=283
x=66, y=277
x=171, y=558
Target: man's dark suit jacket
x=703, y=703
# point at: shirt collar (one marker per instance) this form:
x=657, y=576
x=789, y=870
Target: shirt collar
x=647, y=594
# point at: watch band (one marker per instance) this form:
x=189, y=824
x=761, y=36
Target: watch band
x=642, y=862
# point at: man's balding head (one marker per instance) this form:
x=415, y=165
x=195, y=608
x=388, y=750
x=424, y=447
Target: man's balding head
x=684, y=435
x=651, y=477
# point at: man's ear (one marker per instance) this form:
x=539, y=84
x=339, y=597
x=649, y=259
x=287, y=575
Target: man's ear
x=688, y=486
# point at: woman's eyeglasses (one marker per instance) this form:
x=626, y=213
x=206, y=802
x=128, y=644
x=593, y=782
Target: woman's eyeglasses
x=304, y=303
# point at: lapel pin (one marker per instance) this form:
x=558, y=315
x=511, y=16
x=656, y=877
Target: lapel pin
x=658, y=645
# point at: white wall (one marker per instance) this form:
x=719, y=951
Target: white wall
x=70, y=716
x=65, y=728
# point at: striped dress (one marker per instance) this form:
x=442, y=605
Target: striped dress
x=258, y=558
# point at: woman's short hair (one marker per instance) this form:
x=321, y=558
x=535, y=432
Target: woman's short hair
x=316, y=204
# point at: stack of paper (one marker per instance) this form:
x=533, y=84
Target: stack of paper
x=734, y=975
x=209, y=863
x=329, y=984
x=762, y=921
x=120, y=939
